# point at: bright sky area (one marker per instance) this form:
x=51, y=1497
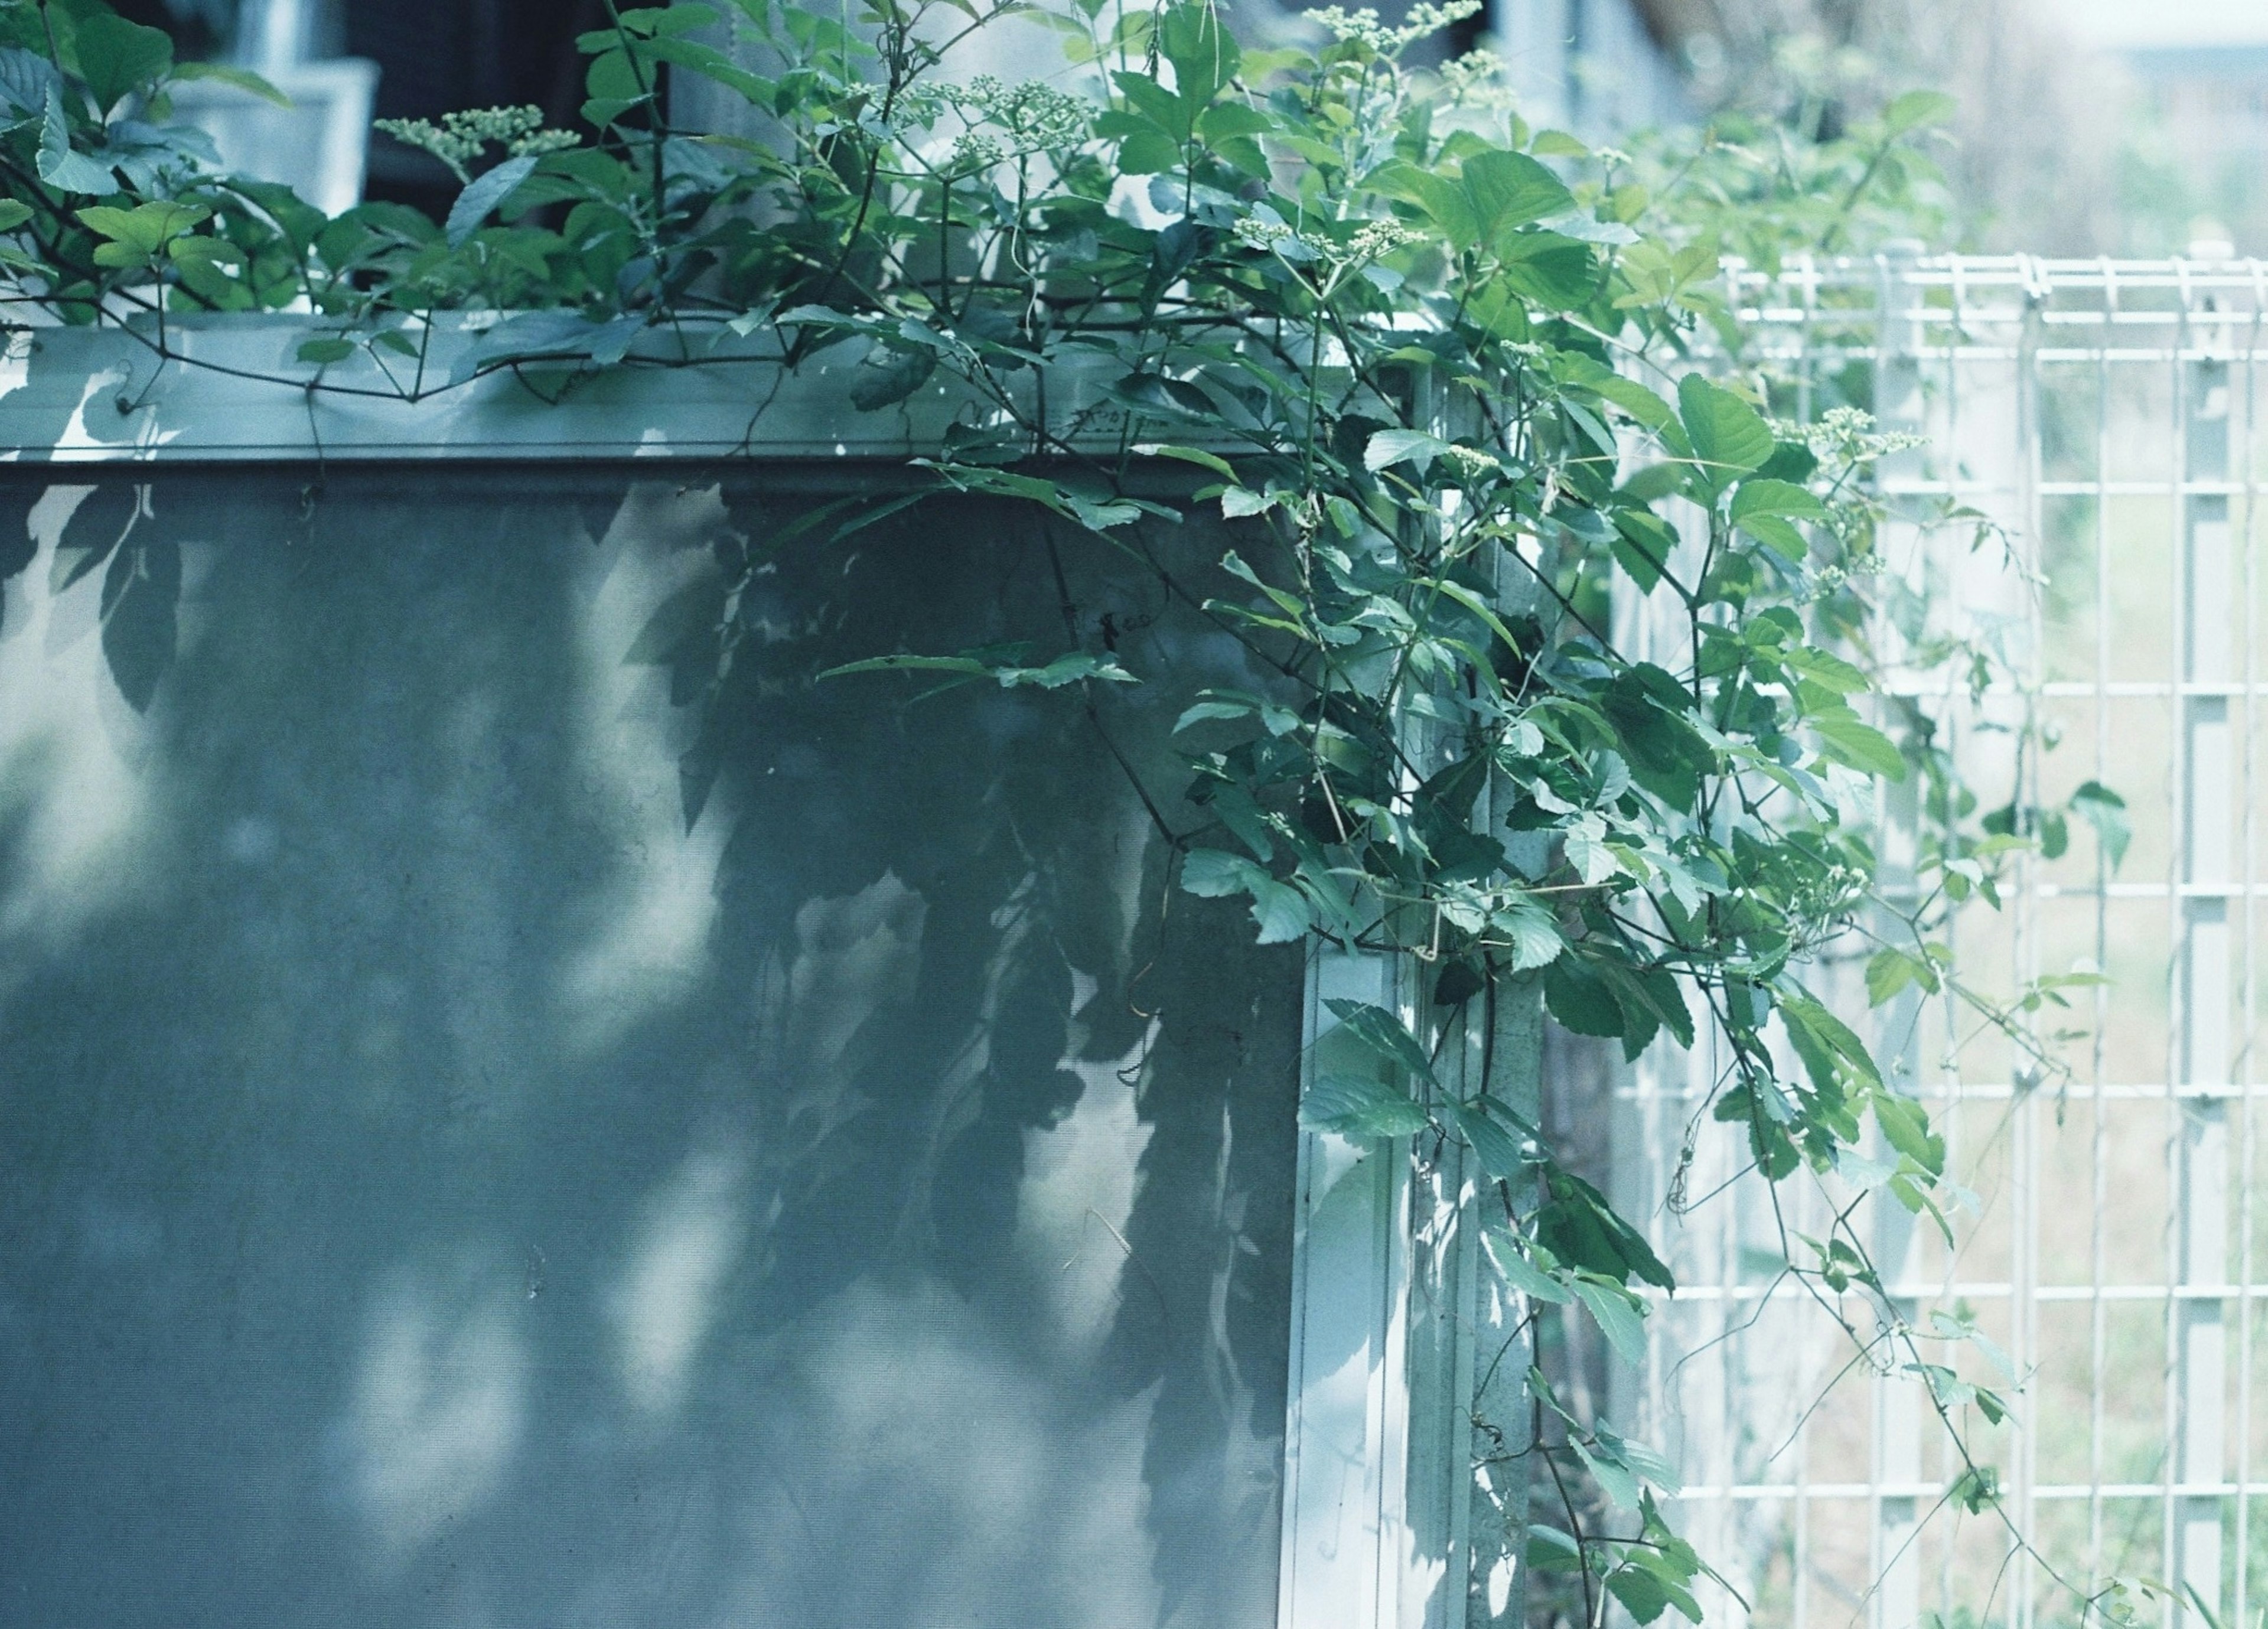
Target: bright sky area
x=2116, y=23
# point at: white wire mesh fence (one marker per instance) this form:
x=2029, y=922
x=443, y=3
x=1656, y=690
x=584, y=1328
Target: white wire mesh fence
x=2083, y=509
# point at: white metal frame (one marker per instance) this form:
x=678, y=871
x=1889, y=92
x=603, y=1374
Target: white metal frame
x=1980, y=354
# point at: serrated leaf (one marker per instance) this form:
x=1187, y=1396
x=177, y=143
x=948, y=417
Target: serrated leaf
x=1580, y=1001
x=1586, y=843
x=58, y=165
x=1359, y=1109
x=1729, y=437
x=1384, y=1035
x=26, y=78
x=1215, y=873
x=1532, y=932
x=1846, y=739
x=1388, y=447
x=1520, y=1271
x=890, y=374
x=1497, y=1149
x=1620, y=1315
x=483, y=195
x=1507, y=189
x=1891, y=971
x=1759, y=496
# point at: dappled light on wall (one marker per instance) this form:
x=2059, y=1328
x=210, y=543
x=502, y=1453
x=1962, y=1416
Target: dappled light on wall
x=452, y=1175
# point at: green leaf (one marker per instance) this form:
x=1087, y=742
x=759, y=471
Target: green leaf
x=1580, y=1229
x=1507, y=189
x=1580, y=1000
x=1588, y=373
x=1615, y=1477
x=486, y=192
x=58, y=165
x=1213, y=462
x=1530, y=930
x=117, y=57
x=1729, y=437
x=1976, y=1490
x=1521, y=1272
x=1071, y=668
x=1830, y=672
x=1214, y=874
x=226, y=73
x=1757, y=495
x=1383, y=1035
x=136, y=235
x=1905, y=1127
x=13, y=213
x=1917, y=108
x=1360, y=1110
x=1446, y=202
x=890, y=374
x=1829, y=1037
x=1620, y=1315
x=1282, y=912
x=1847, y=741
x=1495, y=1148
x=1205, y=55
x=1388, y=447
x=1546, y=269
x=325, y=352
x=1889, y=971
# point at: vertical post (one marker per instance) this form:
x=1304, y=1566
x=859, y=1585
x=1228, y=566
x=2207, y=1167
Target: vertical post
x=1895, y=1601
x=1347, y=1403
x=1491, y=1409
x=1408, y=1418
x=2202, y=962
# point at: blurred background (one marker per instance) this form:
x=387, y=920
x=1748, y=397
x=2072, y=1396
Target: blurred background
x=2088, y=127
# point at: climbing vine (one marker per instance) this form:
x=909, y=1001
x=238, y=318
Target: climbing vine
x=1459, y=390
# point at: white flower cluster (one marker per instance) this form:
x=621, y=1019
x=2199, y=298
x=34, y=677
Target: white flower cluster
x=1037, y=116
x=1380, y=238
x=973, y=150
x=1479, y=76
x=1265, y=232
x=460, y=136
x=1471, y=462
x=1849, y=433
x=1425, y=18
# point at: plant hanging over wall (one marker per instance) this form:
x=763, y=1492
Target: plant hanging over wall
x=1436, y=370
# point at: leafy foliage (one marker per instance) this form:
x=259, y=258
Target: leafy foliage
x=1431, y=368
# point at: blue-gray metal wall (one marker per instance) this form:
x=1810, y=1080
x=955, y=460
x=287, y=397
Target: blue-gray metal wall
x=438, y=1189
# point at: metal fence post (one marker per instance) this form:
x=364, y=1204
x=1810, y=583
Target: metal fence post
x=1895, y=1600
x=2202, y=964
